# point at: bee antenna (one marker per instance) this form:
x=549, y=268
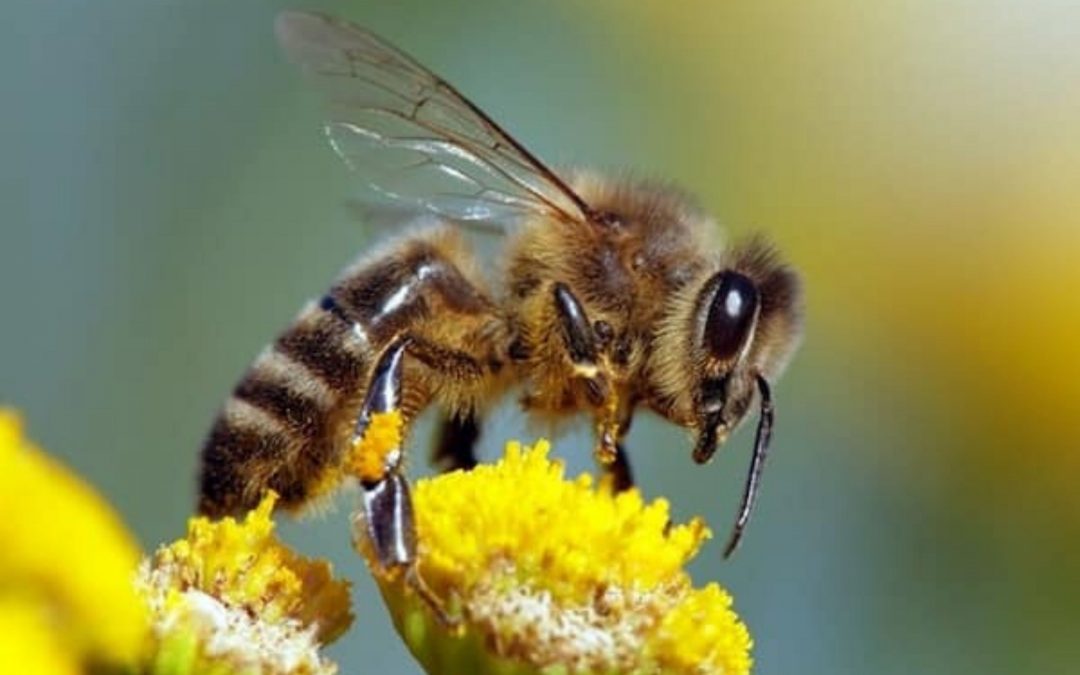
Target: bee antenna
x=757, y=465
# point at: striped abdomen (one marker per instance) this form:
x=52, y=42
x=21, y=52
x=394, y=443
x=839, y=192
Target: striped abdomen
x=285, y=424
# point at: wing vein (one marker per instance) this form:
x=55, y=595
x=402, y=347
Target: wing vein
x=385, y=107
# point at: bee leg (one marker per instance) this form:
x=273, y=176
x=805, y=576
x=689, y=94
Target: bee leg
x=387, y=525
x=580, y=341
x=577, y=333
x=622, y=475
x=387, y=521
x=387, y=506
x=455, y=448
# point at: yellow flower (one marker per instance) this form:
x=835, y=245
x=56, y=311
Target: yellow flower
x=230, y=597
x=66, y=598
x=547, y=573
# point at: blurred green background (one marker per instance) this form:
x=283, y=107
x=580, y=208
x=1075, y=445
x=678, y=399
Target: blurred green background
x=168, y=203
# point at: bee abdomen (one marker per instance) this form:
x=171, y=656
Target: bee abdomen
x=288, y=392
x=283, y=427
x=330, y=346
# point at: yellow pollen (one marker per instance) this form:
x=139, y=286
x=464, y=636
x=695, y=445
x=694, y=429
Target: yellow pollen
x=230, y=597
x=368, y=457
x=586, y=370
x=703, y=631
x=567, y=536
x=556, y=572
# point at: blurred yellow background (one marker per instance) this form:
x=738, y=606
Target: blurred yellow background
x=168, y=203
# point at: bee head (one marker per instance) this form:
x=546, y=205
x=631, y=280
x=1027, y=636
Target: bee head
x=744, y=326
x=729, y=310
x=725, y=339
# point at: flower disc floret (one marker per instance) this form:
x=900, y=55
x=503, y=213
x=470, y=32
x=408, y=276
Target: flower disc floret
x=544, y=572
x=231, y=595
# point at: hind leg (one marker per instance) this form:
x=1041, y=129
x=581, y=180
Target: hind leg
x=386, y=520
x=287, y=424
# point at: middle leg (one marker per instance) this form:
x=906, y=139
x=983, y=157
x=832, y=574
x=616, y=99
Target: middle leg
x=455, y=447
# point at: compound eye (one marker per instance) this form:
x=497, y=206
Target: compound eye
x=731, y=315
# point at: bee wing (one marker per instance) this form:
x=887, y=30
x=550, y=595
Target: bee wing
x=412, y=137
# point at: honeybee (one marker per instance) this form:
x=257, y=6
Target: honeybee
x=616, y=296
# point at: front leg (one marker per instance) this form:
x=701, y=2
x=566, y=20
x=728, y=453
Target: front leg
x=622, y=475
x=584, y=343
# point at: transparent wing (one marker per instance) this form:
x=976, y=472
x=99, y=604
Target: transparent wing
x=412, y=137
